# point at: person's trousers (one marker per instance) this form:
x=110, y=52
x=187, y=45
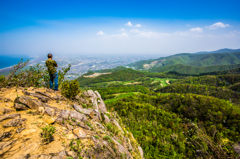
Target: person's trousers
x=54, y=77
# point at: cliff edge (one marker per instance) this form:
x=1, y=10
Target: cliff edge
x=40, y=123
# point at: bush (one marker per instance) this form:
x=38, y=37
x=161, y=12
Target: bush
x=70, y=88
x=47, y=133
x=2, y=78
x=30, y=76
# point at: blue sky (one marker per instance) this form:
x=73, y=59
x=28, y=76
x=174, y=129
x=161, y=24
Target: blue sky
x=118, y=27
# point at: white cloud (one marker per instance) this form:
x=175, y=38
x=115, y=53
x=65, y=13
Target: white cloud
x=122, y=29
x=138, y=25
x=129, y=24
x=187, y=25
x=101, y=33
x=74, y=38
x=135, y=31
x=145, y=34
x=199, y=30
x=218, y=25
x=122, y=35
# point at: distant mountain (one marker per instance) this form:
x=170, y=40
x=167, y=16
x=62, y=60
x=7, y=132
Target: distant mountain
x=215, y=58
x=186, y=69
x=220, y=51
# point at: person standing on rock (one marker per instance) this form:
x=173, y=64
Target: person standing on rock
x=51, y=64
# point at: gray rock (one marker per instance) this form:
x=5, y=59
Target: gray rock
x=90, y=112
x=101, y=104
x=5, y=110
x=14, y=123
x=42, y=98
x=141, y=151
x=106, y=118
x=81, y=99
x=119, y=127
x=82, y=110
x=85, y=93
x=78, y=116
x=9, y=116
x=5, y=99
x=50, y=111
x=99, y=125
x=62, y=154
x=19, y=130
x=97, y=94
x=59, y=120
x=20, y=106
x=65, y=114
x=91, y=93
x=121, y=149
x=70, y=127
x=31, y=103
x=236, y=147
x=45, y=94
x=80, y=133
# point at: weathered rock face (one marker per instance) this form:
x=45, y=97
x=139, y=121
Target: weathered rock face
x=9, y=116
x=20, y=106
x=65, y=114
x=80, y=132
x=14, y=123
x=5, y=110
x=31, y=103
x=96, y=100
x=236, y=147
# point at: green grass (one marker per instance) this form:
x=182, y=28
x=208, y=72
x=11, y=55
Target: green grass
x=119, y=96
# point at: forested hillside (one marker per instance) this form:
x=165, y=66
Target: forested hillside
x=187, y=63
x=186, y=69
x=175, y=115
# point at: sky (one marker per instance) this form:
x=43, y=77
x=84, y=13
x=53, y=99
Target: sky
x=118, y=26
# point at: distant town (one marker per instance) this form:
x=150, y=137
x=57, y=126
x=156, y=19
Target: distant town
x=82, y=64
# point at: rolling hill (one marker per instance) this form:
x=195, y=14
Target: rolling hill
x=196, y=60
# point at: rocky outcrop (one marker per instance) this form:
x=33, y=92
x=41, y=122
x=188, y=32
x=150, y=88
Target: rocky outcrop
x=20, y=106
x=81, y=127
x=9, y=116
x=97, y=102
x=5, y=110
x=236, y=147
x=14, y=123
x=31, y=103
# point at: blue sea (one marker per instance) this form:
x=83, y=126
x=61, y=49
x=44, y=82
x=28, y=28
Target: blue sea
x=7, y=61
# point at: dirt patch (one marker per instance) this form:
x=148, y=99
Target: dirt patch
x=167, y=81
x=132, y=83
x=96, y=74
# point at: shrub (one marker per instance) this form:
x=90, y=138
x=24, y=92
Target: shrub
x=70, y=88
x=84, y=105
x=47, y=133
x=2, y=78
x=96, y=137
x=76, y=146
x=106, y=137
x=32, y=76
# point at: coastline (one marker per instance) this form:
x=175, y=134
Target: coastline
x=6, y=69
